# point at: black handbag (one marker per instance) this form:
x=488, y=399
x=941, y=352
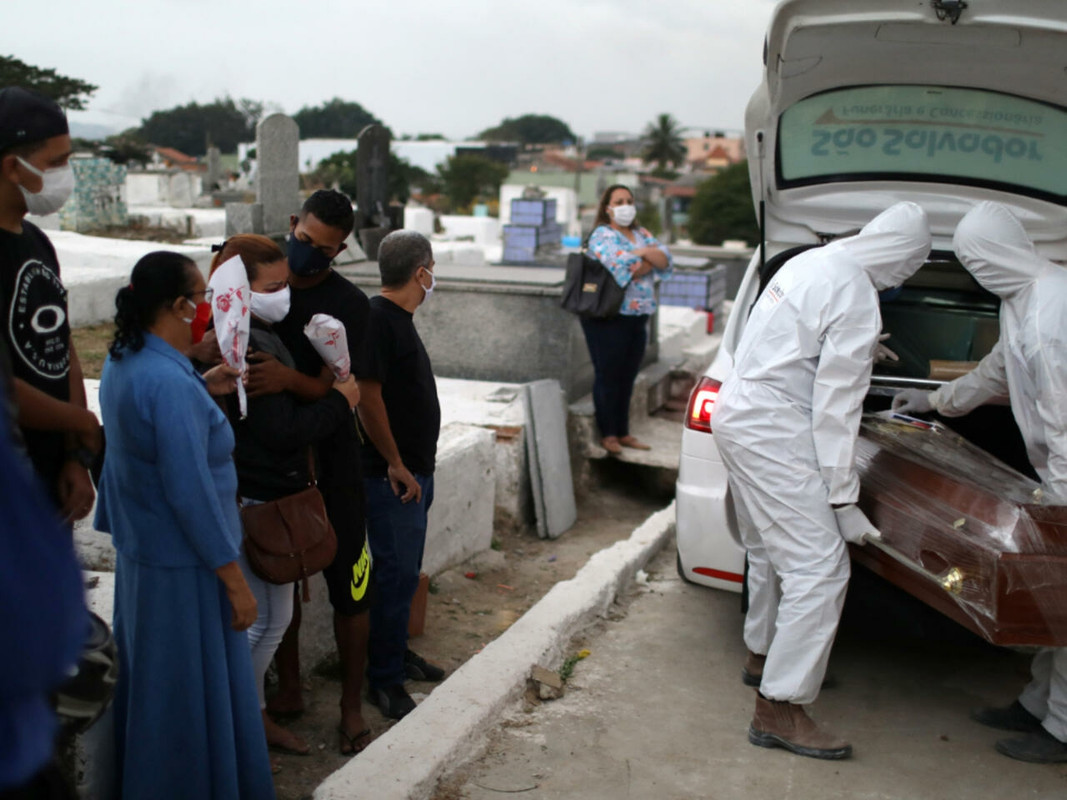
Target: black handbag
x=589, y=289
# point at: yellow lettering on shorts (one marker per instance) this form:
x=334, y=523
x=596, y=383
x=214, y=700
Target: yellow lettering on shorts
x=361, y=575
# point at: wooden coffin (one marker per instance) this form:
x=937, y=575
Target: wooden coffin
x=963, y=532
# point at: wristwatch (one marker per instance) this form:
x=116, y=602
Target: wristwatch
x=83, y=456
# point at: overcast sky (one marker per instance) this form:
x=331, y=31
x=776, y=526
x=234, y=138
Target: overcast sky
x=451, y=66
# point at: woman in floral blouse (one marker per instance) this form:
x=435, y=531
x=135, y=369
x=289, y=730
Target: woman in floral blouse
x=617, y=344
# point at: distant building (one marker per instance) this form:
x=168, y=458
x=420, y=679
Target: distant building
x=169, y=158
x=709, y=153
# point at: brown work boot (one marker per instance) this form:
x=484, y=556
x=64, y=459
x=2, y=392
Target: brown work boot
x=783, y=724
x=752, y=672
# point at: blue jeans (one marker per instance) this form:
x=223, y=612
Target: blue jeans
x=616, y=347
x=396, y=533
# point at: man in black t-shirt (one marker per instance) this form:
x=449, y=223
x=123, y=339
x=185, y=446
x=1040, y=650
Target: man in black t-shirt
x=400, y=412
x=317, y=236
x=61, y=435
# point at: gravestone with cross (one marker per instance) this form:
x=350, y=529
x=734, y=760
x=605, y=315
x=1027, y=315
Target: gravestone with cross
x=372, y=187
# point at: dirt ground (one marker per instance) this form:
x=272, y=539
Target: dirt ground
x=91, y=343
x=465, y=614
x=143, y=233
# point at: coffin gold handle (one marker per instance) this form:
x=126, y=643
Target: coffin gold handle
x=952, y=582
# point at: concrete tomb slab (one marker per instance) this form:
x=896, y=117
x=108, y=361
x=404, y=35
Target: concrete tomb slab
x=549, y=455
x=243, y=218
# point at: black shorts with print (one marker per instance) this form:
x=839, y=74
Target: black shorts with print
x=348, y=577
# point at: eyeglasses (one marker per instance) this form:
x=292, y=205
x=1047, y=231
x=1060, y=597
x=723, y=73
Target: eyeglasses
x=207, y=293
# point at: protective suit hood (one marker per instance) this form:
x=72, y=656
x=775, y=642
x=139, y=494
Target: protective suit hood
x=992, y=244
x=891, y=247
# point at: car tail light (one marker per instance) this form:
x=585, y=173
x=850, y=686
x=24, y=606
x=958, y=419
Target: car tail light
x=702, y=404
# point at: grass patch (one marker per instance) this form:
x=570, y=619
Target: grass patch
x=91, y=343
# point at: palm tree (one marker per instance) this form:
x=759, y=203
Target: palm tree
x=663, y=143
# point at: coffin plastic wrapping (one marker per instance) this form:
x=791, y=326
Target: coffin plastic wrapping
x=963, y=532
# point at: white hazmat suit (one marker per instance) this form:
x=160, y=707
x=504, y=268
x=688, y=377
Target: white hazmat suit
x=1028, y=365
x=786, y=422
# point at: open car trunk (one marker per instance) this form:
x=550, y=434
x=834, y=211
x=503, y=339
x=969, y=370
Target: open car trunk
x=863, y=105
x=965, y=526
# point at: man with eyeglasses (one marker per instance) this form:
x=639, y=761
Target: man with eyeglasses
x=61, y=435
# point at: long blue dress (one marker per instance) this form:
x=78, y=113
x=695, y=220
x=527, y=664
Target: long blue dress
x=187, y=719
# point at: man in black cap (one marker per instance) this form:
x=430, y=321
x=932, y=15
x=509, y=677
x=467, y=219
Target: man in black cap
x=61, y=434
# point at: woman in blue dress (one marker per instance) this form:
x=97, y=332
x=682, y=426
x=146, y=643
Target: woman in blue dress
x=617, y=344
x=187, y=721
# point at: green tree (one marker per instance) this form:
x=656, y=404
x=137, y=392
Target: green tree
x=189, y=128
x=648, y=217
x=340, y=169
x=334, y=119
x=252, y=111
x=722, y=208
x=466, y=178
x=530, y=129
x=122, y=148
x=70, y=93
x=663, y=143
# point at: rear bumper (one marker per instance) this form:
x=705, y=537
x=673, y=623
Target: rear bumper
x=709, y=547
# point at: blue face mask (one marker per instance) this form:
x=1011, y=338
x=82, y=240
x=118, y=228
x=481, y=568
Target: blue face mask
x=304, y=259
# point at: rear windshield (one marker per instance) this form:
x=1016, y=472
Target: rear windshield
x=925, y=133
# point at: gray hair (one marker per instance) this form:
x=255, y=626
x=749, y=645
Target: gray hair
x=400, y=254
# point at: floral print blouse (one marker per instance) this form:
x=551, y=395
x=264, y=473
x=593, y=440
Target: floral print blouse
x=616, y=252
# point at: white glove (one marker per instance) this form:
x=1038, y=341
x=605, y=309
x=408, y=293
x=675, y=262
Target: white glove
x=883, y=353
x=854, y=525
x=912, y=401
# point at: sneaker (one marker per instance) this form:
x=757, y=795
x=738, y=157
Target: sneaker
x=392, y=701
x=1040, y=747
x=1012, y=718
x=419, y=669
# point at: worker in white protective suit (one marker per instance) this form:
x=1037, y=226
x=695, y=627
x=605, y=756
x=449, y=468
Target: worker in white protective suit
x=786, y=422
x=1028, y=365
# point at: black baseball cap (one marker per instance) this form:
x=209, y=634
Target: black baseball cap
x=27, y=117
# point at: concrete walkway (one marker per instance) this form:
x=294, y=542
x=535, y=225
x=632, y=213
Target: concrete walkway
x=451, y=726
x=658, y=711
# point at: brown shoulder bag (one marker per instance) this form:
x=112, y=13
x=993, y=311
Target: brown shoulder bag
x=291, y=538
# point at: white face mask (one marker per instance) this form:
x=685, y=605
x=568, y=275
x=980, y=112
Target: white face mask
x=56, y=186
x=271, y=306
x=624, y=216
x=428, y=292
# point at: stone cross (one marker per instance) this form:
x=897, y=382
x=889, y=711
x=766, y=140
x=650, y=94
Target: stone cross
x=372, y=178
x=277, y=171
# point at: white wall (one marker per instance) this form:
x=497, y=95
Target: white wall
x=176, y=188
x=485, y=230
